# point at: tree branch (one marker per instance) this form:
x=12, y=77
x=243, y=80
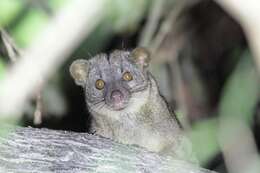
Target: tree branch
x=41, y=150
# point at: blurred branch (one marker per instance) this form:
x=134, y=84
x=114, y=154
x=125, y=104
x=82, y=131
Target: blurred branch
x=238, y=146
x=237, y=109
x=66, y=30
x=247, y=14
x=152, y=23
x=13, y=52
x=166, y=27
x=169, y=25
x=243, y=11
x=38, y=113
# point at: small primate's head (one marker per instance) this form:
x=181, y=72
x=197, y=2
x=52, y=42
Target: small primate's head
x=111, y=80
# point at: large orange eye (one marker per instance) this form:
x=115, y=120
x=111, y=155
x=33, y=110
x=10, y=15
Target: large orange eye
x=127, y=76
x=100, y=84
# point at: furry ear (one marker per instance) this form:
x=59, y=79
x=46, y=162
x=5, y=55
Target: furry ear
x=141, y=56
x=79, y=71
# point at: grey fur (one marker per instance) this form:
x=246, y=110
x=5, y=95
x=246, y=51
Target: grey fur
x=145, y=119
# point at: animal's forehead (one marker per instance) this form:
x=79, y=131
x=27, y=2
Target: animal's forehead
x=113, y=60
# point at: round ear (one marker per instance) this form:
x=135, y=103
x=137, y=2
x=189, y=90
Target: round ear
x=141, y=56
x=79, y=71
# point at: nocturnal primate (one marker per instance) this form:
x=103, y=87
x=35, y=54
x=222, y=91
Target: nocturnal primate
x=124, y=101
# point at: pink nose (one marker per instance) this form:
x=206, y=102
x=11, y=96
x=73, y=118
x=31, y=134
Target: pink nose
x=117, y=96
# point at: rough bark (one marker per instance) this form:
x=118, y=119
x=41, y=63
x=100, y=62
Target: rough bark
x=42, y=150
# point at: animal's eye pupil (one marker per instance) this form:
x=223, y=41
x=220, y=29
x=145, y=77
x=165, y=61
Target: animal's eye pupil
x=127, y=76
x=100, y=84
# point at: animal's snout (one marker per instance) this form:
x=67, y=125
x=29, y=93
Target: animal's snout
x=117, y=96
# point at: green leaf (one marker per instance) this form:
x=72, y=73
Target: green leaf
x=8, y=10
x=204, y=139
x=56, y=4
x=241, y=92
x=27, y=29
x=2, y=69
x=238, y=100
x=237, y=108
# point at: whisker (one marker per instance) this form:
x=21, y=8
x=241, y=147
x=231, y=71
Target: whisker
x=100, y=105
x=103, y=105
x=99, y=102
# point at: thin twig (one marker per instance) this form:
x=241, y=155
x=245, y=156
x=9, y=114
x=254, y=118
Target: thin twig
x=38, y=113
x=152, y=23
x=168, y=23
x=12, y=50
x=177, y=80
